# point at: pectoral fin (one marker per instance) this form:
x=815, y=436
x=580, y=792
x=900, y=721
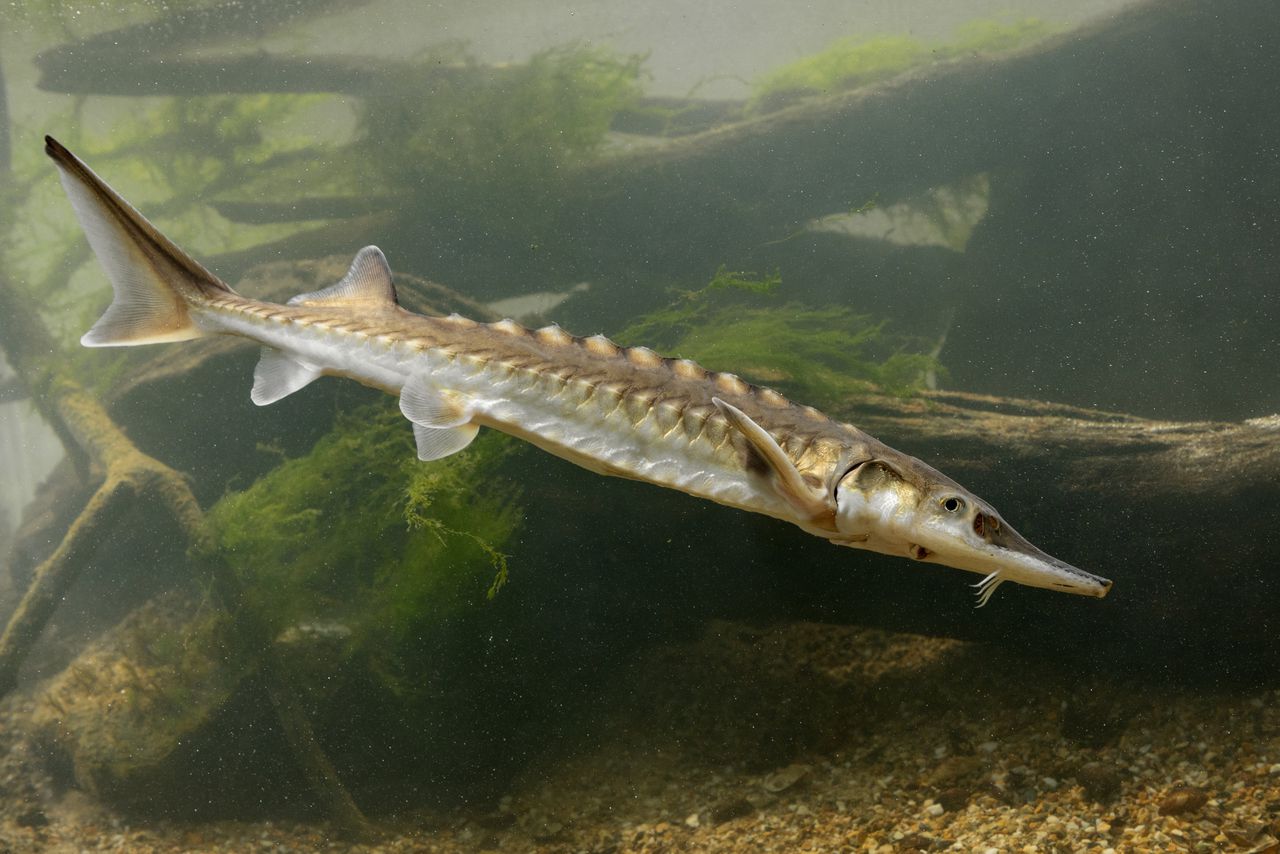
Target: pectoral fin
x=809, y=502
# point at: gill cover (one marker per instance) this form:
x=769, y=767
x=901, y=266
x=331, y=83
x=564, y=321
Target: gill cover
x=868, y=498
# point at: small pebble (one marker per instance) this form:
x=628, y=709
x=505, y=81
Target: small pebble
x=935, y=810
x=780, y=781
x=1183, y=799
x=729, y=810
x=1244, y=834
x=953, y=798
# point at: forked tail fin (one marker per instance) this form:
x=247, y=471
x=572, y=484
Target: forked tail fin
x=154, y=281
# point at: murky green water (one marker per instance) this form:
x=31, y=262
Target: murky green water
x=1032, y=246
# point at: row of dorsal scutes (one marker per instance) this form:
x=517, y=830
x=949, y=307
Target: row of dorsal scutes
x=649, y=399
x=642, y=357
x=648, y=396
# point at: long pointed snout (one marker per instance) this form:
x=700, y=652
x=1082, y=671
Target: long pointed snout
x=1007, y=556
x=1023, y=562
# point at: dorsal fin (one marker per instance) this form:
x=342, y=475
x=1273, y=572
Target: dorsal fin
x=366, y=285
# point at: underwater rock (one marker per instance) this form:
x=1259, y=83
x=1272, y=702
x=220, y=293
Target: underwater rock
x=953, y=769
x=1095, y=721
x=953, y=798
x=122, y=716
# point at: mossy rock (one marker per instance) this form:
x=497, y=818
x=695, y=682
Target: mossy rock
x=125, y=715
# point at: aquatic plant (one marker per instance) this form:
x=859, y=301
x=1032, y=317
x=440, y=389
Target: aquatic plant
x=493, y=133
x=847, y=64
x=853, y=62
x=818, y=355
x=361, y=534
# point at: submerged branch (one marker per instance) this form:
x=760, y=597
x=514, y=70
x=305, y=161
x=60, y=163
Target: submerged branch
x=247, y=74
x=74, y=70
x=72, y=67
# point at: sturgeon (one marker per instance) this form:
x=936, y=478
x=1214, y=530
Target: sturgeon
x=621, y=411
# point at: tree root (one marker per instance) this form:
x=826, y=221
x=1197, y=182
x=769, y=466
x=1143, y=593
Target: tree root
x=133, y=481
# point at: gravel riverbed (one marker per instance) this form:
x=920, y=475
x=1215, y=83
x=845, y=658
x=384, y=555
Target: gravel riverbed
x=812, y=738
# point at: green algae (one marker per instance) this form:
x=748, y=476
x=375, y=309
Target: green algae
x=488, y=135
x=847, y=64
x=819, y=355
x=360, y=534
x=852, y=62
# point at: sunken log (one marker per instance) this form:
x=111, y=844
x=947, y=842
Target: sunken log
x=1101, y=454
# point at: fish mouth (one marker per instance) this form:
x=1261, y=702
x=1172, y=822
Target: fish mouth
x=1100, y=587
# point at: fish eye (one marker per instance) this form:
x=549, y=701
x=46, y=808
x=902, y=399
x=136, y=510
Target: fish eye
x=952, y=504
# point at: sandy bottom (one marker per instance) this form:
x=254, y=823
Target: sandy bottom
x=817, y=738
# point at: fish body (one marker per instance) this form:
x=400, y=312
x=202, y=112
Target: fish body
x=621, y=411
